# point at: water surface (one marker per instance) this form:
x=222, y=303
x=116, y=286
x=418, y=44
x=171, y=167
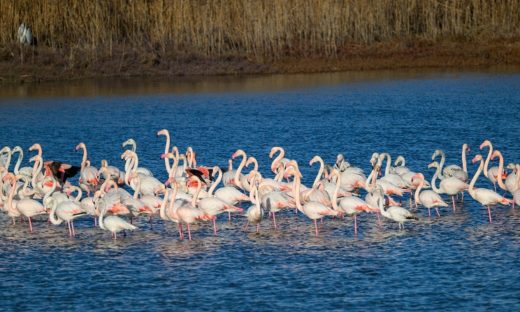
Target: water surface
x=455, y=262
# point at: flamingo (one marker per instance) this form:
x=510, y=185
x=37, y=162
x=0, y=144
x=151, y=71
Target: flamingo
x=166, y=133
x=313, y=210
x=351, y=206
x=484, y=196
x=188, y=211
x=490, y=173
x=428, y=198
x=449, y=185
x=113, y=224
x=395, y=213
x=65, y=211
x=88, y=175
x=255, y=213
x=26, y=171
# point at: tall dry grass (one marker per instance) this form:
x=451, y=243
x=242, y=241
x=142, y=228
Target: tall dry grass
x=258, y=29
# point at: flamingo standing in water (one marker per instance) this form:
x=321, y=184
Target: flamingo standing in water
x=428, y=198
x=88, y=174
x=114, y=224
x=450, y=186
x=484, y=196
x=397, y=214
x=350, y=205
x=65, y=211
x=255, y=213
x=313, y=210
x=493, y=172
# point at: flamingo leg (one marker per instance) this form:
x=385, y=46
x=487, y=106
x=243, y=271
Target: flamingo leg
x=258, y=228
x=14, y=221
x=453, y=202
x=95, y=222
x=70, y=230
x=437, y=209
x=229, y=216
x=429, y=213
x=245, y=226
x=489, y=214
x=215, y=226
x=462, y=196
x=73, y=230
x=115, y=236
x=189, y=231
x=30, y=225
x=355, y=225
x=378, y=218
x=181, y=235
x=274, y=219
x=316, y=227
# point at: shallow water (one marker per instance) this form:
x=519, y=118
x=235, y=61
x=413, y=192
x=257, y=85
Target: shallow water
x=455, y=262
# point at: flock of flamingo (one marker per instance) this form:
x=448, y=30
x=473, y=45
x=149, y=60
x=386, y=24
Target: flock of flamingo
x=191, y=194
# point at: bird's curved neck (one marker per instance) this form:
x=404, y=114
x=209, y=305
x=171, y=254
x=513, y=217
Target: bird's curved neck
x=475, y=178
x=418, y=191
x=18, y=162
x=166, y=150
x=500, y=180
x=277, y=159
x=239, y=170
x=488, y=158
x=434, y=180
x=320, y=173
x=296, y=190
x=336, y=190
x=216, y=182
x=464, y=161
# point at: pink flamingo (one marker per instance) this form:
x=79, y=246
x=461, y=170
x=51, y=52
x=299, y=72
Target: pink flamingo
x=313, y=210
x=484, y=196
x=428, y=198
x=450, y=186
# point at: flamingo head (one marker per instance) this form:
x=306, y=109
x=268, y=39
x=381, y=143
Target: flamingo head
x=465, y=147
x=80, y=146
x=274, y=150
x=484, y=144
x=35, y=146
x=167, y=155
x=128, y=142
x=314, y=159
x=238, y=153
x=162, y=132
x=433, y=165
x=476, y=158
x=437, y=153
x=495, y=154
x=250, y=160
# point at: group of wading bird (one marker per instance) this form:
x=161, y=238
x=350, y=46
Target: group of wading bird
x=190, y=193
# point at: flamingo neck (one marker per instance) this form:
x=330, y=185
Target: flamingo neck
x=434, y=180
x=418, y=191
x=84, y=159
x=239, y=170
x=216, y=182
x=320, y=173
x=500, y=171
x=166, y=150
x=277, y=159
x=196, y=197
x=162, y=209
x=488, y=158
x=441, y=165
x=52, y=215
x=464, y=162
x=475, y=178
x=336, y=190
x=296, y=191
x=18, y=161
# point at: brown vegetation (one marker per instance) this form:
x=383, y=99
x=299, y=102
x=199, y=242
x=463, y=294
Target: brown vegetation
x=175, y=37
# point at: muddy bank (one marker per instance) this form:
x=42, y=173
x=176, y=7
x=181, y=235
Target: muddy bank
x=38, y=64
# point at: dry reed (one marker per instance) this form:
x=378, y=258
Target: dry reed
x=257, y=29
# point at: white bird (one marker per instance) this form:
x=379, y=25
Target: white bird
x=113, y=224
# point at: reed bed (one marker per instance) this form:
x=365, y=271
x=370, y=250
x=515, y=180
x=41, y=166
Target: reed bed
x=256, y=29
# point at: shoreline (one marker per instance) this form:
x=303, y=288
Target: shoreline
x=43, y=64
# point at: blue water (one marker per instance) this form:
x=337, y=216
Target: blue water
x=456, y=262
